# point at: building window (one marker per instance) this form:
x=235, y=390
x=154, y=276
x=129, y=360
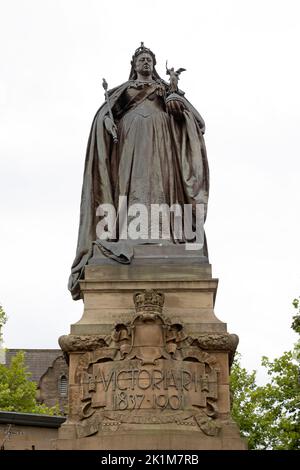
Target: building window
x=63, y=386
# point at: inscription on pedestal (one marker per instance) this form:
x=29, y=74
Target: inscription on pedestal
x=150, y=371
x=165, y=386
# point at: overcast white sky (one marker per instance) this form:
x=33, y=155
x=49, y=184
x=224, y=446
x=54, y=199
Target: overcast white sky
x=243, y=76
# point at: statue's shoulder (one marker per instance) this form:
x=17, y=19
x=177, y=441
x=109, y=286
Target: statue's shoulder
x=113, y=94
x=119, y=89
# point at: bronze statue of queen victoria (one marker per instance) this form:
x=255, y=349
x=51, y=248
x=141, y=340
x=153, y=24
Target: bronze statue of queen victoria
x=146, y=143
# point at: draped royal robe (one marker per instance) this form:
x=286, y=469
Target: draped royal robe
x=157, y=159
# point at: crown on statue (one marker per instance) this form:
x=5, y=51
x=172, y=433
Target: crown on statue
x=140, y=50
x=149, y=301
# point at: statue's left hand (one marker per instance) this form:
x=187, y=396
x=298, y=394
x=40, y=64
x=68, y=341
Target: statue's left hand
x=175, y=107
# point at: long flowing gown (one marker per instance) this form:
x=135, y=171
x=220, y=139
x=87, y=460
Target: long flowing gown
x=143, y=159
x=157, y=160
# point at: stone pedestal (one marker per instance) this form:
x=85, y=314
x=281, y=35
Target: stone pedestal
x=149, y=361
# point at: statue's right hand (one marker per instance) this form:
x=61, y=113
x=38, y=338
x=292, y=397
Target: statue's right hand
x=110, y=126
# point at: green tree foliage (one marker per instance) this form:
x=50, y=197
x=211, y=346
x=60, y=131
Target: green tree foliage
x=296, y=318
x=269, y=415
x=17, y=393
x=243, y=387
x=3, y=320
x=296, y=327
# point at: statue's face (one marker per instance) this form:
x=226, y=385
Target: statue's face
x=144, y=64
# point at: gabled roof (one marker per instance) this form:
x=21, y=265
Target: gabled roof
x=36, y=360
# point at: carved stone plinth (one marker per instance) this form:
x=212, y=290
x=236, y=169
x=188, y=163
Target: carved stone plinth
x=149, y=362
